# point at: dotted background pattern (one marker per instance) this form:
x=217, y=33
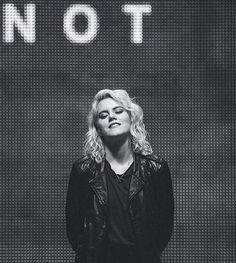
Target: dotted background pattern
x=183, y=76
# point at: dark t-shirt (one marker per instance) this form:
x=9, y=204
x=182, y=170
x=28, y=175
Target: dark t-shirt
x=120, y=231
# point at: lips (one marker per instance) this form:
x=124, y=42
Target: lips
x=114, y=124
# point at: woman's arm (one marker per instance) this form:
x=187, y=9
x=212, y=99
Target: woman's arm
x=75, y=209
x=165, y=204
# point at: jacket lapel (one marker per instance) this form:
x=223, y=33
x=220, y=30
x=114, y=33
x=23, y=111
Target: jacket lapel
x=137, y=179
x=98, y=183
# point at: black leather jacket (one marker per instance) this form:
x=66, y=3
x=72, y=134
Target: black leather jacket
x=151, y=208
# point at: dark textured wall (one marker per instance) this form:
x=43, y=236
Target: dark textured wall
x=183, y=75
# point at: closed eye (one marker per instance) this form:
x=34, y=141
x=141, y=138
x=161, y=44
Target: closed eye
x=103, y=115
x=119, y=110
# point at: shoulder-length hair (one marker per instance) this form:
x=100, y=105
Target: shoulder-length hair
x=94, y=146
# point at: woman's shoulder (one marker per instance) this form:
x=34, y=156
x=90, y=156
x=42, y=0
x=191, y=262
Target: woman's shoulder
x=84, y=163
x=153, y=160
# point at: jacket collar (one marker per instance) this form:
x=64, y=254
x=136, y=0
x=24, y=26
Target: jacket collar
x=98, y=180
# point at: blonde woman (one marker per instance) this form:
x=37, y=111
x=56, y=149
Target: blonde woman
x=120, y=203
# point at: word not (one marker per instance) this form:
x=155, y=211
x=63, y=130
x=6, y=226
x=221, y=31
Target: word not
x=26, y=25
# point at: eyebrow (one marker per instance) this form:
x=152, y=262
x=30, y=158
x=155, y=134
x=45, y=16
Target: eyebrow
x=112, y=109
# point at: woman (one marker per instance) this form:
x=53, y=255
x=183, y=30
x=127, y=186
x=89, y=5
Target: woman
x=120, y=204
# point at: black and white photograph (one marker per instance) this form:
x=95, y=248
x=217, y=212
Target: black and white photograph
x=118, y=136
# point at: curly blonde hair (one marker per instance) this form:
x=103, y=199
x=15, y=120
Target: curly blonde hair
x=94, y=146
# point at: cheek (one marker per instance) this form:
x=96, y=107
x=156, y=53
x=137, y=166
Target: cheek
x=127, y=120
x=99, y=126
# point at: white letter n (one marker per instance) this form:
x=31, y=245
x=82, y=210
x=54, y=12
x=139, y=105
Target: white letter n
x=12, y=18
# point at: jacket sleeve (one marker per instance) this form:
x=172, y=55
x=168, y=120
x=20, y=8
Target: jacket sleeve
x=165, y=205
x=75, y=211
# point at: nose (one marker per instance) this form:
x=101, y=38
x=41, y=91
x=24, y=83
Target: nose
x=112, y=117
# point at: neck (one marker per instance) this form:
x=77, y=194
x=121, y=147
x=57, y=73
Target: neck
x=120, y=152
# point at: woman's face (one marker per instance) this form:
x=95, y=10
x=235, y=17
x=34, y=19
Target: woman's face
x=112, y=119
